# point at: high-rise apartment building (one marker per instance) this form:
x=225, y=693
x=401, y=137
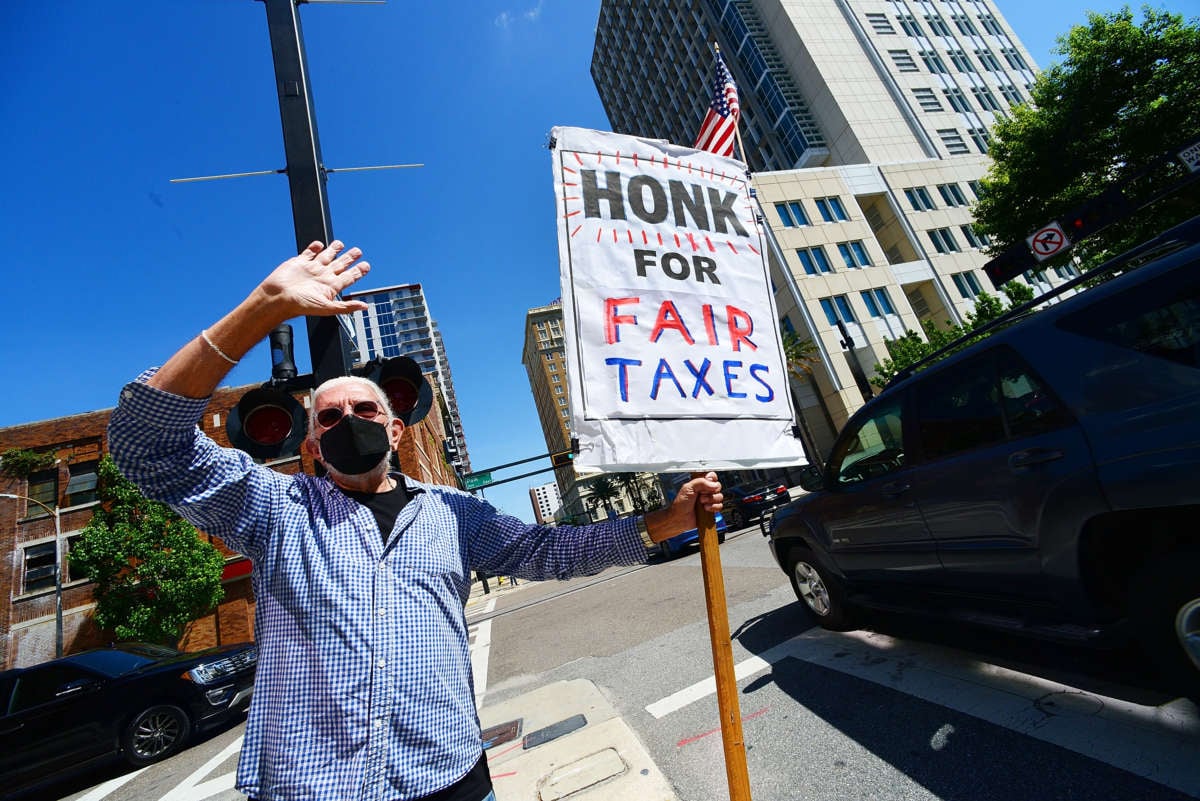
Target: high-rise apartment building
x=545, y=501
x=866, y=125
x=397, y=322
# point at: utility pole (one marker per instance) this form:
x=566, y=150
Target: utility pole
x=328, y=345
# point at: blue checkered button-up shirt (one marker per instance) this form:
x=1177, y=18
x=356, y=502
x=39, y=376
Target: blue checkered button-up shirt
x=364, y=687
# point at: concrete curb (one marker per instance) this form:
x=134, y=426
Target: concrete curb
x=597, y=758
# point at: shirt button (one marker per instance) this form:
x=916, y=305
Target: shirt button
x=382, y=663
x=379, y=724
x=381, y=612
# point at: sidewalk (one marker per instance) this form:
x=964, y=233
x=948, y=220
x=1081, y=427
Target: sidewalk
x=565, y=740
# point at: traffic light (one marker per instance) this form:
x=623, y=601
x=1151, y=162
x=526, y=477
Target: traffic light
x=402, y=381
x=1099, y=212
x=450, y=451
x=1009, y=264
x=268, y=422
x=563, y=458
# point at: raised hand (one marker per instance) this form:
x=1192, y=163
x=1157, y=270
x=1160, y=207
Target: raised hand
x=309, y=283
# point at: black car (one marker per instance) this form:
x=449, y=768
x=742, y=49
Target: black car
x=746, y=503
x=137, y=700
x=1044, y=479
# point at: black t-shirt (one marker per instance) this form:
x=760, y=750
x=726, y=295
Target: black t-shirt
x=385, y=506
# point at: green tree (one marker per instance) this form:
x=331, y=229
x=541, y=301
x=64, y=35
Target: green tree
x=604, y=491
x=153, y=573
x=1017, y=293
x=802, y=355
x=21, y=462
x=1123, y=96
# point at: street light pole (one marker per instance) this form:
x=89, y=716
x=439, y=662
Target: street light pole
x=58, y=610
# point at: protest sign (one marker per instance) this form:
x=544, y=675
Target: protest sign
x=674, y=356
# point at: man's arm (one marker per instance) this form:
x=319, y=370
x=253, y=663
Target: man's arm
x=305, y=285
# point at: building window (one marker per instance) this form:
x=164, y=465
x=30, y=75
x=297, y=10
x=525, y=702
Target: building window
x=877, y=301
x=837, y=308
x=919, y=199
x=38, y=572
x=937, y=25
x=977, y=240
x=43, y=487
x=927, y=100
x=958, y=101
x=831, y=209
x=1034, y=277
x=968, y=285
x=952, y=194
x=933, y=62
x=909, y=24
x=81, y=487
x=988, y=59
x=980, y=137
x=903, y=60
x=943, y=240
x=1011, y=94
x=814, y=260
x=963, y=22
x=880, y=23
x=990, y=25
x=953, y=141
x=791, y=214
x=976, y=188
x=1066, y=271
x=555, y=378
x=558, y=390
x=553, y=368
x=1013, y=58
x=985, y=98
x=562, y=401
x=961, y=61
x=854, y=254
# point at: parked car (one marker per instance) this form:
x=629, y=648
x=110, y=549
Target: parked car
x=1045, y=479
x=746, y=503
x=671, y=548
x=140, y=701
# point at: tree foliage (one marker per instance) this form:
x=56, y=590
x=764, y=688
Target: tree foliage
x=152, y=570
x=1123, y=96
x=802, y=355
x=912, y=347
x=22, y=462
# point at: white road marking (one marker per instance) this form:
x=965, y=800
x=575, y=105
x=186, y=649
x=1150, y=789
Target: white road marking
x=102, y=791
x=481, y=645
x=194, y=789
x=1158, y=743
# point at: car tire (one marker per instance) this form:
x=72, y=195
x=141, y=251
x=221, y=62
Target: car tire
x=1165, y=606
x=664, y=550
x=819, y=590
x=764, y=523
x=155, y=734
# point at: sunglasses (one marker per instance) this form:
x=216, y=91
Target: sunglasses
x=367, y=410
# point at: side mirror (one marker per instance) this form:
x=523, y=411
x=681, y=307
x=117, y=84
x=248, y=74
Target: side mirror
x=811, y=478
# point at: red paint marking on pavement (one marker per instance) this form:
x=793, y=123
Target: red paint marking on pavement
x=504, y=775
x=512, y=747
x=690, y=740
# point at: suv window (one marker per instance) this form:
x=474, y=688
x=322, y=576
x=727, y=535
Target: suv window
x=1156, y=319
x=983, y=401
x=875, y=447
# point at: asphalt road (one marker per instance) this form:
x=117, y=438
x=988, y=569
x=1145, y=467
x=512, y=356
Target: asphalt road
x=905, y=710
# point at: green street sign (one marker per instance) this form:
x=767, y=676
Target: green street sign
x=473, y=481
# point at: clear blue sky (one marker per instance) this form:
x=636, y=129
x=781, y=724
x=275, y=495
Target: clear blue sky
x=110, y=267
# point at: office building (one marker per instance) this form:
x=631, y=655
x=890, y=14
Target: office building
x=866, y=126
x=545, y=501
x=397, y=322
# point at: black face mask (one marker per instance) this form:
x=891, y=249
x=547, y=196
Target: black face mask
x=355, y=446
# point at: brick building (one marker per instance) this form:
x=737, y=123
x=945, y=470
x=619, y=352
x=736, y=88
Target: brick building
x=27, y=530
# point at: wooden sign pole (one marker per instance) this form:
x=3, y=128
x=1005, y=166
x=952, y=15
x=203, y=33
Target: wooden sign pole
x=718, y=631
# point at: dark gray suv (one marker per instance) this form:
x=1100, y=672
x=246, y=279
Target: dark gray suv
x=1045, y=479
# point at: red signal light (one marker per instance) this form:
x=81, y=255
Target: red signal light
x=401, y=394
x=268, y=424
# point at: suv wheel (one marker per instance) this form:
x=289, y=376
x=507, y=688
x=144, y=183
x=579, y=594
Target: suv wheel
x=1165, y=603
x=735, y=518
x=819, y=590
x=155, y=734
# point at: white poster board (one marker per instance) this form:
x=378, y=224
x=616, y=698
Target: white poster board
x=673, y=350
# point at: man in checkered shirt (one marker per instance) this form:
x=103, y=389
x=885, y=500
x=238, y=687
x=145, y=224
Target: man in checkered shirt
x=364, y=687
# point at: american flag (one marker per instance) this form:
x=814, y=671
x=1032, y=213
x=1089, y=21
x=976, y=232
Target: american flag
x=719, y=128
